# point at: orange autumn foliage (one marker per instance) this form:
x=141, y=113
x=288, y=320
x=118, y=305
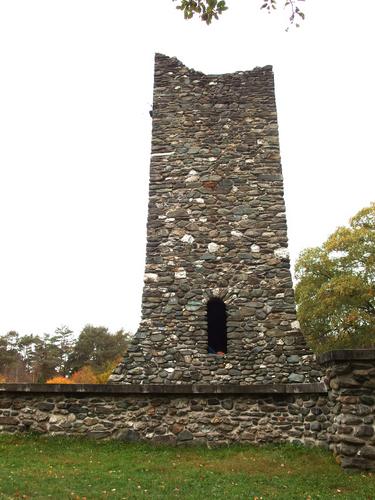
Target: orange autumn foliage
x=59, y=380
x=84, y=376
x=3, y=379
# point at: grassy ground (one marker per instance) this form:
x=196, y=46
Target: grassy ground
x=37, y=467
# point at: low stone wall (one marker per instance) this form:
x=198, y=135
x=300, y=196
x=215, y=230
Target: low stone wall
x=339, y=414
x=184, y=414
x=350, y=378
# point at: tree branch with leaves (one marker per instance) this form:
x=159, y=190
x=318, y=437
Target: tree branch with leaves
x=207, y=10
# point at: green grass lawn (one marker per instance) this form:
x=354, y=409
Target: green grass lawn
x=39, y=467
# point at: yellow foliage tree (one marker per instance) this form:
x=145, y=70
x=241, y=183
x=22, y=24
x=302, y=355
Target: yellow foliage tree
x=3, y=379
x=103, y=376
x=85, y=375
x=335, y=292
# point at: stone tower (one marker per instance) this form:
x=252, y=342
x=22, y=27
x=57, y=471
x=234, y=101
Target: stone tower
x=218, y=303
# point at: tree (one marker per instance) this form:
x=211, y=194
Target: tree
x=46, y=358
x=335, y=292
x=12, y=366
x=64, y=341
x=8, y=350
x=84, y=375
x=26, y=349
x=103, y=376
x=207, y=10
x=96, y=347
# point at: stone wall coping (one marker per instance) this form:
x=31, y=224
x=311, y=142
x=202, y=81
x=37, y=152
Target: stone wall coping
x=346, y=355
x=162, y=389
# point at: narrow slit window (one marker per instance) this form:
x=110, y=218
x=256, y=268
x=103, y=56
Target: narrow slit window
x=216, y=326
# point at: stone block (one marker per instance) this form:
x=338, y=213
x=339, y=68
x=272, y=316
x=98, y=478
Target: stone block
x=185, y=435
x=130, y=436
x=8, y=421
x=364, y=431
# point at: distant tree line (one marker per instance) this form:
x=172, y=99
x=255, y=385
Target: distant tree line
x=89, y=358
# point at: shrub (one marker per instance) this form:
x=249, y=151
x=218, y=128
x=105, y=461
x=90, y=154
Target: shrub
x=59, y=380
x=103, y=376
x=84, y=376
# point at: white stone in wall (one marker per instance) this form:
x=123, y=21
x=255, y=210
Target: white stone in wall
x=236, y=234
x=180, y=274
x=192, y=178
x=212, y=83
x=153, y=277
x=295, y=325
x=213, y=247
x=162, y=154
x=282, y=253
x=255, y=248
x=187, y=238
x=199, y=200
x=169, y=370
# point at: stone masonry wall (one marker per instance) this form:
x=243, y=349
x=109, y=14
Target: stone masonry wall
x=340, y=414
x=192, y=415
x=350, y=378
x=216, y=228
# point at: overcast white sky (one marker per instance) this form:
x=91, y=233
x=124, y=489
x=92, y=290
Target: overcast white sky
x=76, y=82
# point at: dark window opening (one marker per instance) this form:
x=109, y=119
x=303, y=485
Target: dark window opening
x=216, y=326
